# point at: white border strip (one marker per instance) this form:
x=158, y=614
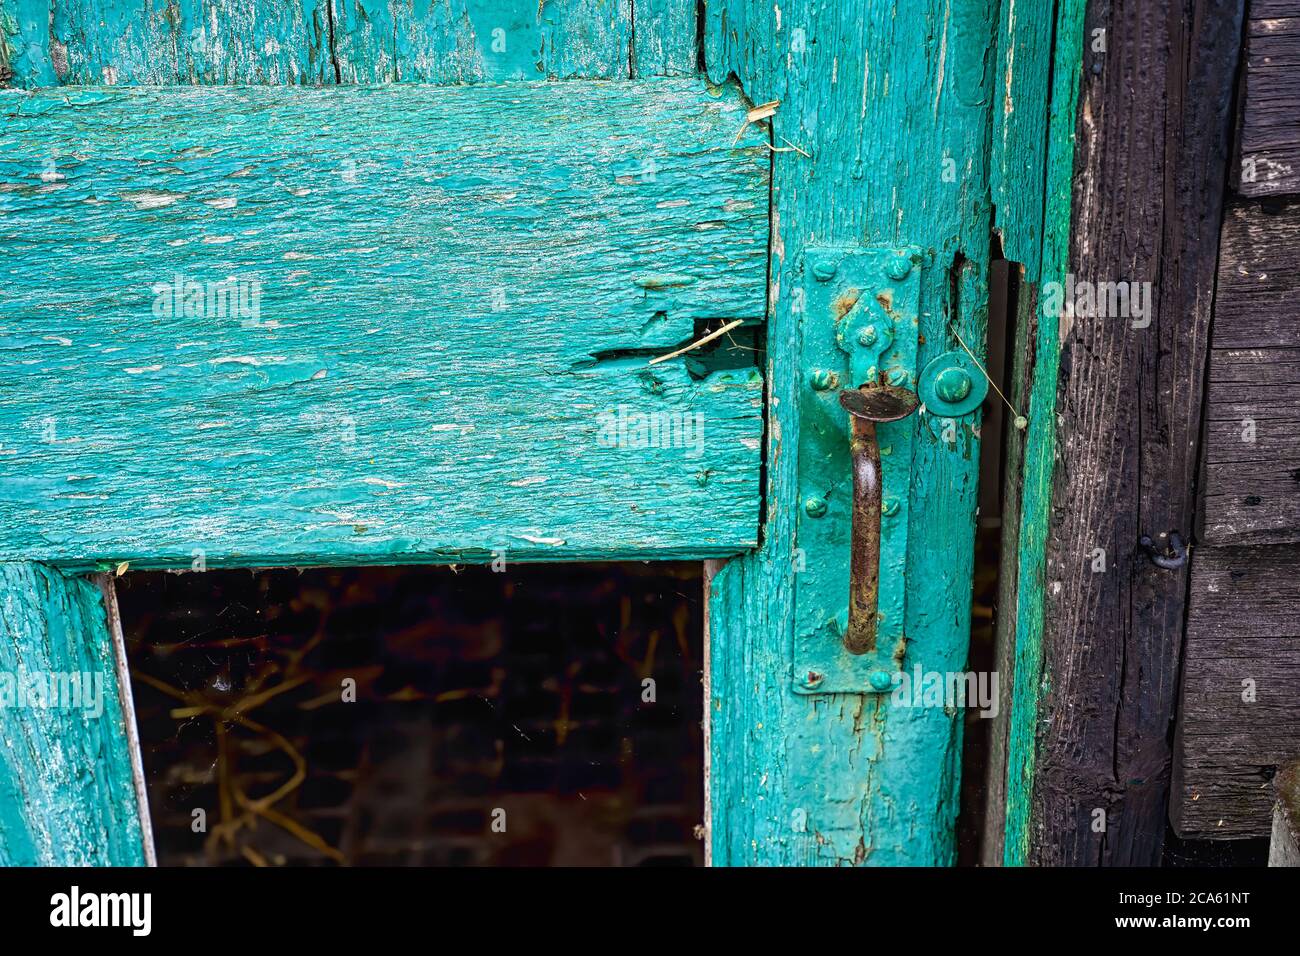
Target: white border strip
x=711, y=568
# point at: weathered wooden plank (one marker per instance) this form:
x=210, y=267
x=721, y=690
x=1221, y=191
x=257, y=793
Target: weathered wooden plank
x=457, y=294
x=1241, y=679
x=294, y=42
x=278, y=42
x=1096, y=682
x=1251, y=476
x=462, y=41
x=1228, y=579
x=664, y=37
x=68, y=793
x=1257, y=283
x=865, y=124
x=1254, y=500
x=1031, y=166
x=1268, y=147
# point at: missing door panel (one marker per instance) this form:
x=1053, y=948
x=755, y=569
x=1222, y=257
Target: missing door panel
x=421, y=716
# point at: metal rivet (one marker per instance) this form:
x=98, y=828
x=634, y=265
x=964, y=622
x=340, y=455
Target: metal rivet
x=900, y=267
x=889, y=507
x=815, y=506
x=899, y=376
x=953, y=384
x=822, y=379
x=867, y=336
x=812, y=680
x=824, y=270
x=881, y=680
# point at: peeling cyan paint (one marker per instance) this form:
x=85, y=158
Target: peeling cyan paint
x=876, y=115
x=481, y=306
x=312, y=42
x=858, y=162
x=67, y=786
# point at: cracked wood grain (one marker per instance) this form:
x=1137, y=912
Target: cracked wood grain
x=851, y=778
x=315, y=42
x=456, y=290
x=68, y=793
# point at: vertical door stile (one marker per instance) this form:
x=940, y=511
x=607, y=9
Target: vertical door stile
x=883, y=139
x=71, y=788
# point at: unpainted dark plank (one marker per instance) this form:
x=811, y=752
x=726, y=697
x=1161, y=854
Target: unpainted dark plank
x=1251, y=477
x=1241, y=679
x=1263, y=505
x=1257, y=299
x=1268, y=160
x=1152, y=158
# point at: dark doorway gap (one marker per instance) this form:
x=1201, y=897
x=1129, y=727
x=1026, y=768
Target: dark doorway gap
x=1003, y=303
x=476, y=692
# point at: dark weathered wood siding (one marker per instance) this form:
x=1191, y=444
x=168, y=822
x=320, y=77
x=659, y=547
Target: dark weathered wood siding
x=1269, y=157
x=1252, y=446
x=1241, y=674
x=1154, y=128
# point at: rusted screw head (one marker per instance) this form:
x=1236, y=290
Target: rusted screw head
x=898, y=376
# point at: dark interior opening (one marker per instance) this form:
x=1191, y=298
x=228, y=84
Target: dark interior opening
x=995, y=426
x=544, y=715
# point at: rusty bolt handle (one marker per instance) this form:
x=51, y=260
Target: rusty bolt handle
x=864, y=559
x=868, y=406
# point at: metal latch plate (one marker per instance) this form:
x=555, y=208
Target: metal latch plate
x=859, y=322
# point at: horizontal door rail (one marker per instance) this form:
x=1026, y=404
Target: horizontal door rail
x=255, y=326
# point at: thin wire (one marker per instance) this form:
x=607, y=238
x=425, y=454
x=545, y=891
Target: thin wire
x=1019, y=418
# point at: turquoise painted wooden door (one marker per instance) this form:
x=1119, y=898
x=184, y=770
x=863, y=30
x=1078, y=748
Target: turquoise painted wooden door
x=331, y=281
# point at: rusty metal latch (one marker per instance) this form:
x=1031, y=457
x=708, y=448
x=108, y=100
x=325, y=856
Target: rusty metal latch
x=867, y=406
x=858, y=348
